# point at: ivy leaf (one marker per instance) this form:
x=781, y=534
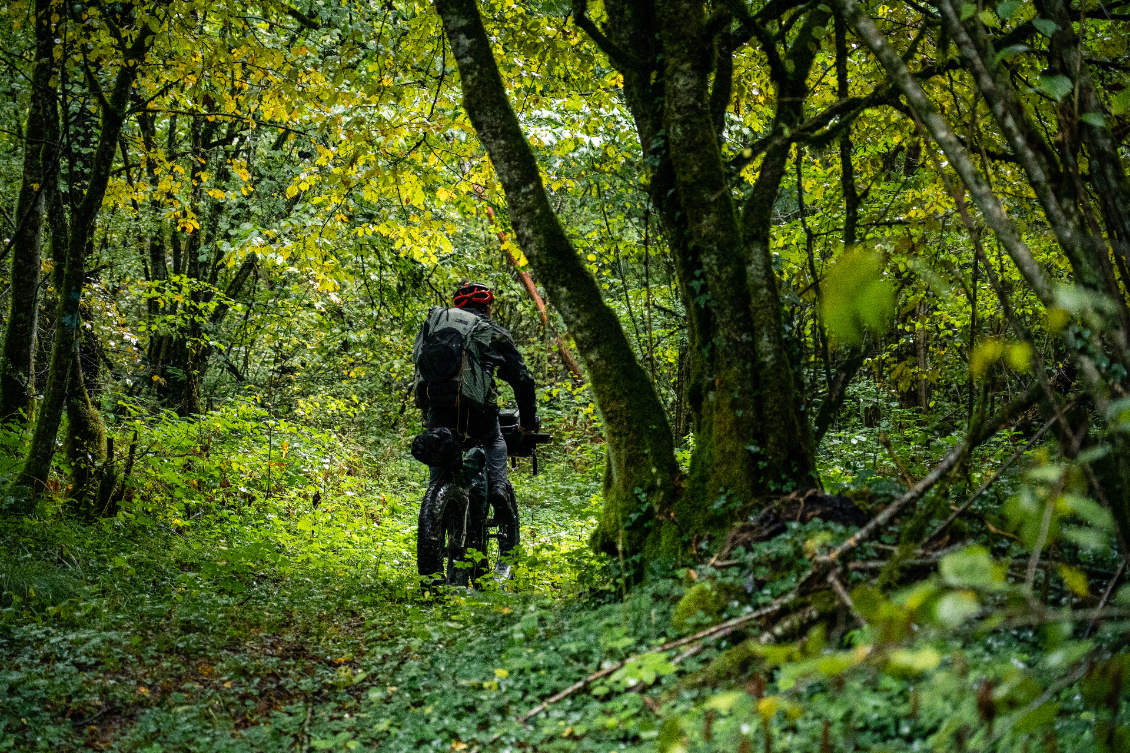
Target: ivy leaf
x=1056, y=87
x=1093, y=119
x=1045, y=26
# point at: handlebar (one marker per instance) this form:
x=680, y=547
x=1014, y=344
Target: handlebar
x=523, y=444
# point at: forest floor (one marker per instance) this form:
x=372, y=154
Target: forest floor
x=290, y=627
x=297, y=634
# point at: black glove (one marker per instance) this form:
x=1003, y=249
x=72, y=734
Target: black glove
x=533, y=426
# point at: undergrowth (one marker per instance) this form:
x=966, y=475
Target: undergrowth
x=257, y=592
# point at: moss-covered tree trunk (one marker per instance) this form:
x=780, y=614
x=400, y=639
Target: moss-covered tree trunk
x=752, y=432
x=91, y=481
x=70, y=242
x=17, y=354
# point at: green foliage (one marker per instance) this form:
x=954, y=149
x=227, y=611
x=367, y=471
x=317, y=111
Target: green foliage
x=256, y=588
x=856, y=298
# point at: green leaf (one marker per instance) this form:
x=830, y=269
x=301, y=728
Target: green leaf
x=1075, y=579
x=1045, y=26
x=922, y=660
x=1093, y=119
x=1067, y=654
x=968, y=11
x=1008, y=8
x=1086, y=538
x=1090, y=511
x=955, y=608
x=856, y=297
x=987, y=18
x=1056, y=87
x=1009, y=52
x=972, y=566
x=1038, y=717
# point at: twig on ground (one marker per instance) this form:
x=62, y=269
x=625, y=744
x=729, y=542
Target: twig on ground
x=792, y=621
x=845, y=597
x=720, y=630
x=304, y=736
x=899, y=465
x=688, y=653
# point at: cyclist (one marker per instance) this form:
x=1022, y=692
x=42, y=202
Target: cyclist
x=457, y=357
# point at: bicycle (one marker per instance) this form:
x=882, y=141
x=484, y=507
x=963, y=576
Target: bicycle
x=453, y=515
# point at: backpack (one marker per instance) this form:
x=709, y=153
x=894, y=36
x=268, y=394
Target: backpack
x=450, y=357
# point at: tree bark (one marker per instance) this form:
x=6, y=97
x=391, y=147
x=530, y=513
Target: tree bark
x=17, y=354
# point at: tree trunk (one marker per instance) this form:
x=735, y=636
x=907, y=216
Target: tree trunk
x=640, y=478
x=85, y=447
x=17, y=354
x=37, y=465
x=751, y=430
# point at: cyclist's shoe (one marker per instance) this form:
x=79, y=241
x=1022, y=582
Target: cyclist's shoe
x=499, y=498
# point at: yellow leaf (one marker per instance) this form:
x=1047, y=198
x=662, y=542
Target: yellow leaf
x=768, y=706
x=501, y=674
x=985, y=354
x=1076, y=580
x=1019, y=357
x=1057, y=319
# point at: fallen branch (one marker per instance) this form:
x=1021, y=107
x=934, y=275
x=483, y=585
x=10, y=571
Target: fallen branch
x=720, y=630
x=912, y=495
x=845, y=597
x=992, y=480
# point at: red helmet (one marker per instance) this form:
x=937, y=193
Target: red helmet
x=473, y=293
